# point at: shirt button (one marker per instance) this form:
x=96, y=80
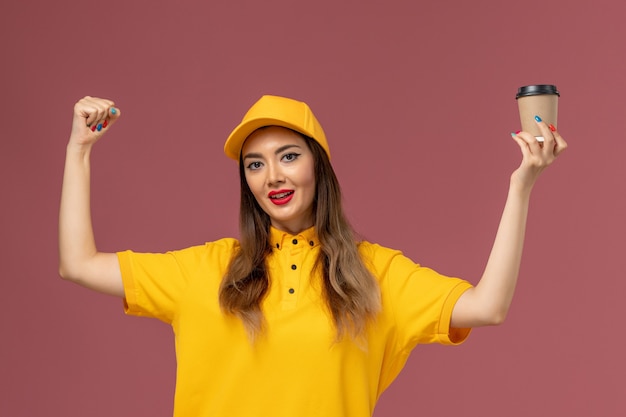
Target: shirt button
x=295, y=241
x=278, y=245
x=291, y=290
x=293, y=267
x=311, y=243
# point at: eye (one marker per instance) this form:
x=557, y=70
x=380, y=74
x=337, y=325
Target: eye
x=290, y=157
x=254, y=165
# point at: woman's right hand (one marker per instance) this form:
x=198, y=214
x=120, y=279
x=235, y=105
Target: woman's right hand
x=92, y=118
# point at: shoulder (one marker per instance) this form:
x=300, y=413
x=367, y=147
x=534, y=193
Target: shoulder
x=222, y=248
x=378, y=258
x=224, y=244
x=216, y=252
x=375, y=250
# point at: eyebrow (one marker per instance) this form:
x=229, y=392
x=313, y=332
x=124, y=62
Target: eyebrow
x=279, y=150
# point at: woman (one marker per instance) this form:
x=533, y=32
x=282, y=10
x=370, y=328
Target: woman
x=296, y=318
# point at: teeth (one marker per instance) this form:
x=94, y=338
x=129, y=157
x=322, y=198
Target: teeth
x=281, y=195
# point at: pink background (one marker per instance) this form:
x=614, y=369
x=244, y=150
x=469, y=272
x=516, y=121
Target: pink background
x=417, y=99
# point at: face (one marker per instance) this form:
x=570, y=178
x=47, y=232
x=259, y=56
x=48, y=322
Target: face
x=279, y=169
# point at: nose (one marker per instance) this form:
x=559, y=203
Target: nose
x=275, y=174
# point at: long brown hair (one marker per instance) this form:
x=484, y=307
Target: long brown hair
x=351, y=292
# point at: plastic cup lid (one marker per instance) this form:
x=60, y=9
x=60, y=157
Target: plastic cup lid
x=535, y=90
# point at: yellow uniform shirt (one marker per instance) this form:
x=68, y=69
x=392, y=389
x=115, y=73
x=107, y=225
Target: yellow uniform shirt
x=295, y=368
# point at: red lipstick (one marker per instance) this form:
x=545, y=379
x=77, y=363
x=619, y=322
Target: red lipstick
x=280, y=197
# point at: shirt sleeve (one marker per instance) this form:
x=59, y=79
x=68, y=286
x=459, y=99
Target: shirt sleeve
x=421, y=300
x=155, y=283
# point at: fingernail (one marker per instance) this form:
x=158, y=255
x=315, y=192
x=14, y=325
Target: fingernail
x=99, y=127
x=513, y=134
x=93, y=128
x=105, y=124
x=537, y=118
x=518, y=132
x=113, y=111
x=551, y=126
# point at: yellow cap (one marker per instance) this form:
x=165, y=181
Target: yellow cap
x=276, y=111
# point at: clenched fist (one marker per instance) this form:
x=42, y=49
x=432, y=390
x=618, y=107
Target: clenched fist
x=92, y=118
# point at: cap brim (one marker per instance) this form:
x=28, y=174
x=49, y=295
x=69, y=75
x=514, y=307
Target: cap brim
x=234, y=143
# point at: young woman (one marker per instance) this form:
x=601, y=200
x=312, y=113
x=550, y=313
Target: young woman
x=297, y=317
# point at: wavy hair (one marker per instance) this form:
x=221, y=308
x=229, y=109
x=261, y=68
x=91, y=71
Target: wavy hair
x=351, y=292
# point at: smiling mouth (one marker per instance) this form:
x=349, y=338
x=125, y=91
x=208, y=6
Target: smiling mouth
x=279, y=196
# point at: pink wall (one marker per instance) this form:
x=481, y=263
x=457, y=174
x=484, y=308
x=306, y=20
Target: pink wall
x=417, y=100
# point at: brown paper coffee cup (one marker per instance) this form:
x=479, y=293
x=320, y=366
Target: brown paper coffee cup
x=537, y=100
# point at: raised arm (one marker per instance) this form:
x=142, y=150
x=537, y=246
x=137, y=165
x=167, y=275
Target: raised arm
x=488, y=303
x=79, y=259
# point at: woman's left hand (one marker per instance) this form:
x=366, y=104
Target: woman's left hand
x=536, y=156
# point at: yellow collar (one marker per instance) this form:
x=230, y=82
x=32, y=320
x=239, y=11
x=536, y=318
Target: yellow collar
x=307, y=237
